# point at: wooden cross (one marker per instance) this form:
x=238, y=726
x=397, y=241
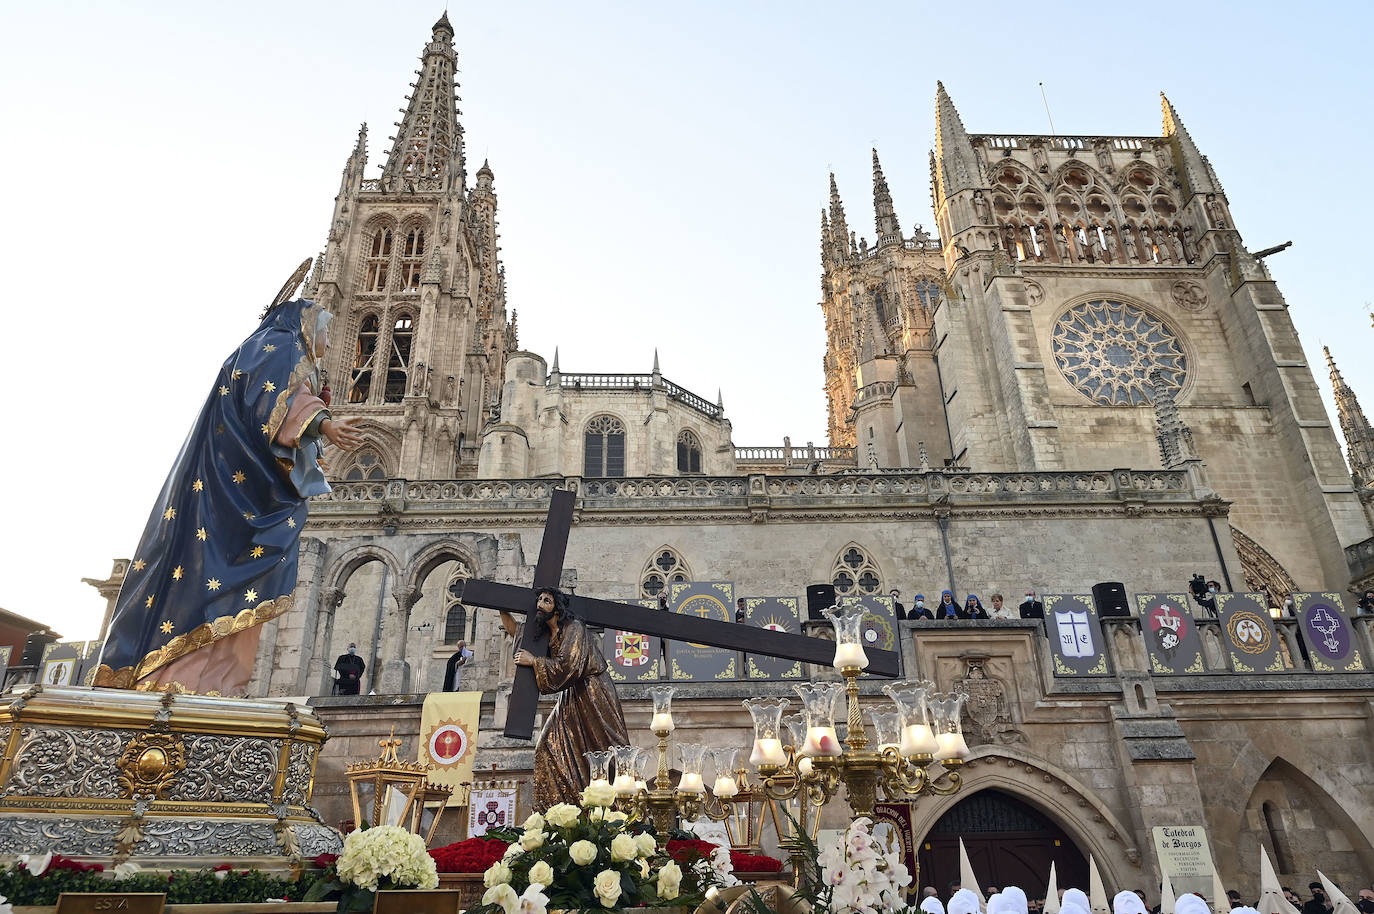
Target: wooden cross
x=628, y=618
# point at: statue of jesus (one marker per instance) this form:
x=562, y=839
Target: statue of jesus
x=587, y=715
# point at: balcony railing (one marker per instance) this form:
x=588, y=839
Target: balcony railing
x=638, y=382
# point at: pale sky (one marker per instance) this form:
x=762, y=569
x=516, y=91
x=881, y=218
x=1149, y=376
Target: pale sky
x=660, y=170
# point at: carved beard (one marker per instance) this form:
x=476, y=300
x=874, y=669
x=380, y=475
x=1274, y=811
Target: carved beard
x=541, y=619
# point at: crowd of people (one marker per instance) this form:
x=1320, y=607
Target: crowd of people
x=1013, y=900
x=946, y=607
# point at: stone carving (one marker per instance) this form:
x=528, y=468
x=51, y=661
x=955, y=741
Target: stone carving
x=1035, y=293
x=222, y=769
x=201, y=838
x=41, y=835
x=1189, y=295
x=77, y=761
x=980, y=208
x=150, y=763
x=1108, y=349
x=986, y=712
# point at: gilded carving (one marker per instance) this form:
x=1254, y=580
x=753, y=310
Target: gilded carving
x=150, y=763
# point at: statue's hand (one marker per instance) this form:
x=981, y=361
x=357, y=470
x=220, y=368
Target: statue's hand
x=342, y=434
x=524, y=658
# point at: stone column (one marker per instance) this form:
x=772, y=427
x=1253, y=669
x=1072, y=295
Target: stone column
x=395, y=678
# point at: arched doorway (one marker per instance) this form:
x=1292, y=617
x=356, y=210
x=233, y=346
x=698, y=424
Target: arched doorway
x=1009, y=842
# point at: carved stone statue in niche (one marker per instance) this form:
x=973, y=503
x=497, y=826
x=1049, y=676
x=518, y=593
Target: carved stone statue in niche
x=980, y=208
x=988, y=717
x=1215, y=212
x=1040, y=156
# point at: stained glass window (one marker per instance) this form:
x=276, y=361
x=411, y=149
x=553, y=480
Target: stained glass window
x=1108, y=350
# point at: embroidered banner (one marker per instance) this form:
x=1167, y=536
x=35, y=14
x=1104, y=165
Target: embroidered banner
x=892, y=832
x=1075, y=635
x=1249, y=633
x=448, y=738
x=777, y=614
x=1171, y=637
x=630, y=656
x=688, y=662
x=1327, y=631
x=492, y=805
x=880, y=620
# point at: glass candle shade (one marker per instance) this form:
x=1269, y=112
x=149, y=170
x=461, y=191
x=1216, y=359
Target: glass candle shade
x=949, y=730
x=849, y=646
x=818, y=702
x=624, y=770
x=662, y=721
x=726, y=761
x=691, y=755
x=767, y=715
x=599, y=762
x=887, y=727
x=917, y=736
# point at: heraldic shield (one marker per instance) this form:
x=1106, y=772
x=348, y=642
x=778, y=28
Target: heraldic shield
x=1075, y=635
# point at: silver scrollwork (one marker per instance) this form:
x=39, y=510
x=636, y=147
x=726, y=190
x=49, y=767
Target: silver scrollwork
x=67, y=762
x=223, y=769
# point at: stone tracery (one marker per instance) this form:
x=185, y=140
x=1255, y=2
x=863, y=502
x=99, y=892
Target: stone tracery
x=1107, y=350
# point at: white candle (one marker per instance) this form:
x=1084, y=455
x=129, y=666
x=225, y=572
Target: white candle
x=804, y=766
x=850, y=656
x=725, y=786
x=663, y=721
x=600, y=782
x=691, y=783
x=624, y=785
x=768, y=752
x=952, y=745
x=918, y=740
x=821, y=741
x=641, y=785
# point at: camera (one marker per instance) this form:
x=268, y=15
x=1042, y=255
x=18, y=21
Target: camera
x=1198, y=585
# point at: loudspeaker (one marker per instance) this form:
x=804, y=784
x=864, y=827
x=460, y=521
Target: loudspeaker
x=33, y=647
x=1110, y=597
x=819, y=597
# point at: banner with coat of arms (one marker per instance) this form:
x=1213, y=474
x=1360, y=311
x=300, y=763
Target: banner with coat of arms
x=448, y=738
x=1075, y=635
x=631, y=656
x=1326, y=629
x=492, y=805
x=1249, y=631
x=1171, y=635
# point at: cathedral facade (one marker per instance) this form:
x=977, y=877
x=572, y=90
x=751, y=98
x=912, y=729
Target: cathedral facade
x=1083, y=374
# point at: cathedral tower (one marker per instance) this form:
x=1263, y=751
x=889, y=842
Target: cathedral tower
x=412, y=273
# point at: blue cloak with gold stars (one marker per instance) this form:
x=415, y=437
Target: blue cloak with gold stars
x=218, y=554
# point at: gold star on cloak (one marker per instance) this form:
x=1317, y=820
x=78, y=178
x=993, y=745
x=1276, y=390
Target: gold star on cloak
x=291, y=522
x=268, y=386
x=176, y=573
x=197, y=486
x=248, y=515
x=139, y=564
x=238, y=477
x=250, y=596
x=200, y=534
x=223, y=391
x=169, y=514
x=167, y=627
x=269, y=348
x=212, y=584
x=149, y=602
x=256, y=552
x=237, y=374
x=265, y=429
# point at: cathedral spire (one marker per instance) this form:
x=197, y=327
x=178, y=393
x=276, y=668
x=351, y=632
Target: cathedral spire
x=839, y=228
x=1359, y=437
x=1192, y=165
x=955, y=165
x=1176, y=446
x=825, y=239
x=429, y=140
x=885, y=216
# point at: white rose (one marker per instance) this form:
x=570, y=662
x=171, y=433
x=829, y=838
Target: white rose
x=598, y=795
x=515, y=850
x=563, y=815
x=502, y=895
x=497, y=874
x=607, y=888
x=669, y=879
x=534, y=823
x=531, y=840
x=125, y=870
x=541, y=873
x=623, y=848
x=582, y=852
x=646, y=844
x=615, y=815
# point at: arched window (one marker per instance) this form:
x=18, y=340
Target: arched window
x=455, y=613
x=412, y=260
x=378, y=261
x=688, y=452
x=855, y=573
x=366, y=465
x=604, y=447
x=928, y=293
x=364, y=360
x=664, y=568
x=398, y=369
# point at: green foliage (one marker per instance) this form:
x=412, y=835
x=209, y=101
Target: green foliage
x=182, y=886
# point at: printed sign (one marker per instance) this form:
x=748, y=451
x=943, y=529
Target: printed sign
x=1326, y=629
x=1075, y=635
x=776, y=614
x=689, y=662
x=1185, y=855
x=491, y=805
x=1171, y=636
x=1249, y=633
x=892, y=832
x=121, y=902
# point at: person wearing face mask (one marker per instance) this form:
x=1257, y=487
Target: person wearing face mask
x=1032, y=608
x=349, y=668
x=919, y=610
x=948, y=609
x=897, y=608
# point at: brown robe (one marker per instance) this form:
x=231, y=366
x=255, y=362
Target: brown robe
x=586, y=717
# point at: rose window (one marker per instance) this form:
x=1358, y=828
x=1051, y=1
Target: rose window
x=1109, y=350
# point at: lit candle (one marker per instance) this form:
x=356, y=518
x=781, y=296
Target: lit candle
x=821, y=741
x=691, y=783
x=624, y=785
x=768, y=752
x=804, y=766
x=725, y=786
x=600, y=782
x=850, y=656
x=951, y=745
x=918, y=740
x=662, y=722
x=641, y=785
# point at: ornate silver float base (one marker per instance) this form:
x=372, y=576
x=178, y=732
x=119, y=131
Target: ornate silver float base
x=160, y=779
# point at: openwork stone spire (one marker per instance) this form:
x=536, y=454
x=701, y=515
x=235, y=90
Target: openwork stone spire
x=1359, y=437
x=1175, y=438
x=955, y=168
x=429, y=139
x=1195, y=170
x=885, y=216
x=839, y=228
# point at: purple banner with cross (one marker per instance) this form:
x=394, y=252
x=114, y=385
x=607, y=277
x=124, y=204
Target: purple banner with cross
x=1326, y=629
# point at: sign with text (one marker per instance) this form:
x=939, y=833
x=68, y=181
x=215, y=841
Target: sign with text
x=1171, y=636
x=1185, y=855
x=1249, y=632
x=1327, y=631
x=775, y=614
x=491, y=805
x=893, y=833
x=111, y=902
x=689, y=662
x=1075, y=635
